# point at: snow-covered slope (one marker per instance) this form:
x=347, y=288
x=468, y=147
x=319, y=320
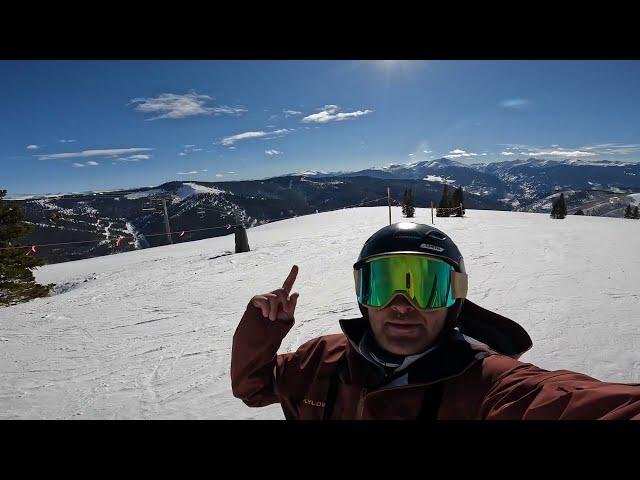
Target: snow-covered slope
x=147, y=334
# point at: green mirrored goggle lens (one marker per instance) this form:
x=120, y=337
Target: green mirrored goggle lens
x=424, y=280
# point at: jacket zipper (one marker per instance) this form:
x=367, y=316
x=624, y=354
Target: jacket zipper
x=364, y=393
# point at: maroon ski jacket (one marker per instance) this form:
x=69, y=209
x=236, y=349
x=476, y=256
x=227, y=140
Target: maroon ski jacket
x=328, y=378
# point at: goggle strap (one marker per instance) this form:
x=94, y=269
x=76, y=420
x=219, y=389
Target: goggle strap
x=460, y=284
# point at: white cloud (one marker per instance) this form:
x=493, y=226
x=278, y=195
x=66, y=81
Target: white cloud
x=67, y=141
x=613, y=148
x=231, y=173
x=171, y=105
x=290, y=113
x=561, y=153
x=427, y=151
x=602, y=150
x=332, y=113
x=182, y=154
x=506, y=153
x=411, y=154
x=460, y=153
x=93, y=153
x=90, y=163
x=219, y=175
x=32, y=147
x=189, y=146
x=196, y=149
x=272, y=152
x=225, y=109
x=228, y=141
x=137, y=158
x=192, y=172
x=513, y=146
x=515, y=103
x=205, y=170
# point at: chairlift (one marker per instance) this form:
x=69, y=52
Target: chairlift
x=150, y=207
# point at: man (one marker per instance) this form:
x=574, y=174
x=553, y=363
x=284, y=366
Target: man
x=420, y=350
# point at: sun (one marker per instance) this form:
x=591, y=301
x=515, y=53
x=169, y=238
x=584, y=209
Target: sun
x=396, y=65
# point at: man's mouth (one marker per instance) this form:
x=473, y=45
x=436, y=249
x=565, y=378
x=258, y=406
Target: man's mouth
x=403, y=327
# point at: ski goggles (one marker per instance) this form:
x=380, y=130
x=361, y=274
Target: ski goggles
x=427, y=282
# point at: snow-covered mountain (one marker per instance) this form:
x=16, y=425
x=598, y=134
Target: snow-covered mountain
x=201, y=210
x=517, y=183
x=147, y=334
x=591, y=202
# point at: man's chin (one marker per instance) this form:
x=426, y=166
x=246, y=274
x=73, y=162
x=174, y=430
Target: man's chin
x=402, y=345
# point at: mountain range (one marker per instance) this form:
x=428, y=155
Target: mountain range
x=198, y=210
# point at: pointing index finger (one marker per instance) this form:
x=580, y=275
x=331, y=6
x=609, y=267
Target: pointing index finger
x=288, y=283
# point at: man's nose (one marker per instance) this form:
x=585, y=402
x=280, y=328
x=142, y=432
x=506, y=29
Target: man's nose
x=401, y=305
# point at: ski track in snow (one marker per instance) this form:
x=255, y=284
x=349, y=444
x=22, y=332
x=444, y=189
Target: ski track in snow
x=147, y=334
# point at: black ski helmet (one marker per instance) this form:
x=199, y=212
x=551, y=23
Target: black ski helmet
x=408, y=237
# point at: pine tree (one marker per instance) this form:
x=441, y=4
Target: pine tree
x=579, y=212
x=562, y=208
x=408, y=207
x=17, y=283
x=628, y=212
x=445, y=203
x=404, y=202
x=554, y=208
x=636, y=214
x=559, y=207
x=457, y=201
x=457, y=197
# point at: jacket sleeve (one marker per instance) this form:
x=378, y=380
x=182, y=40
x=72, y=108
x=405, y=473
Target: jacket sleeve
x=522, y=391
x=254, y=359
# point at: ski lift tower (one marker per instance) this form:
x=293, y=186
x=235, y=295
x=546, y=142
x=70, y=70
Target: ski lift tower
x=158, y=204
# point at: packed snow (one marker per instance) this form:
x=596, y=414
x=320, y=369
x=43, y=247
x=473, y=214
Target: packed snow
x=436, y=178
x=635, y=198
x=189, y=189
x=147, y=334
x=146, y=193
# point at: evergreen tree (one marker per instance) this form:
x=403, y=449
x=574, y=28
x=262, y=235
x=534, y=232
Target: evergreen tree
x=636, y=214
x=628, y=212
x=562, y=209
x=457, y=197
x=408, y=207
x=579, y=212
x=554, y=208
x=445, y=201
x=559, y=207
x=457, y=201
x=17, y=283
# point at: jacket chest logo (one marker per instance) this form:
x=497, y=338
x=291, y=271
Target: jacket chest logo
x=317, y=403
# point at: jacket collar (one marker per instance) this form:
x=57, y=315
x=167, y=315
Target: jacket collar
x=451, y=356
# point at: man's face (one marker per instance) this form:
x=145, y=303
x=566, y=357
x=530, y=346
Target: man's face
x=402, y=329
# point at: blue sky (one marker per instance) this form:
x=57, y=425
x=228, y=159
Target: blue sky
x=91, y=125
